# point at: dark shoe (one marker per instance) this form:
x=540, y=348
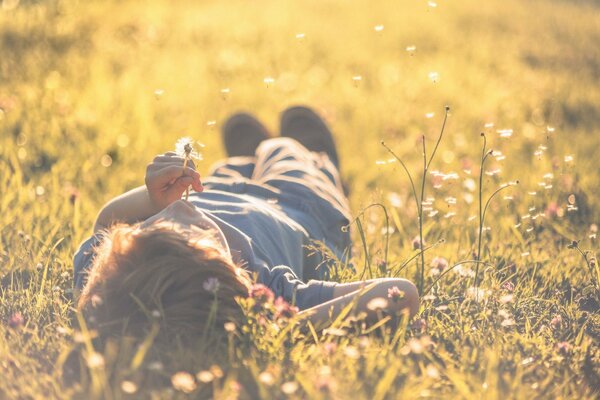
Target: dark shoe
x=242, y=133
x=305, y=126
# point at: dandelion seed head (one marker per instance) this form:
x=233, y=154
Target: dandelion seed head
x=184, y=147
x=212, y=284
x=505, y=133
x=269, y=80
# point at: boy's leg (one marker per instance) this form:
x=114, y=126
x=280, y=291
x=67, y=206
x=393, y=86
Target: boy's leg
x=241, y=135
x=310, y=193
x=241, y=167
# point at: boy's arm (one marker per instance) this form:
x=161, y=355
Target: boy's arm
x=344, y=294
x=166, y=180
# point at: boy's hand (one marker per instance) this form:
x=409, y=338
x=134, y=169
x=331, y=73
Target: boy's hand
x=166, y=180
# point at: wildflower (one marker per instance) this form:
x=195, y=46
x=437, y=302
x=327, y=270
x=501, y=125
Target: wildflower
x=184, y=382
x=185, y=148
x=378, y=303
x=415, y=346
x=129, y=387
x=464, y=271
x=283, y=309
x=334, y=332
x=419, y=325
x=477, y=294
x=205, y=376
x=329, y=348
x=95, y=360
x=216, y=371
x=364, y=342
x=416, y=243
x=564, y=347
x=267, y=378
x=395, y=294
x=439, y=263
x=261, y=293
x=508, y=286
x=556, y=321
x=211, y=285
x=325, y=382
x=507, y=298
x=229, y=327
x=432, y=372
x=289, y=388
x=352, y=352
x=16, y=321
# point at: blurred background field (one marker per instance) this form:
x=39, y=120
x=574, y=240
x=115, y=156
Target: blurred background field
x=91, y=91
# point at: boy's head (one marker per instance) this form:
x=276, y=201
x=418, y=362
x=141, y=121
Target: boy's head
x=163, y=272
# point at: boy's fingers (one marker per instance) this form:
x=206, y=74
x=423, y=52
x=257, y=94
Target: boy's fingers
x=175, y=171
x=161, y=161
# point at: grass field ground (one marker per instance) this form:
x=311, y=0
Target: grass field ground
x=91, y=91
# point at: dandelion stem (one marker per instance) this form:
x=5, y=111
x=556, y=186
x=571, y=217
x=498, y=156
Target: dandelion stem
x=187, y=189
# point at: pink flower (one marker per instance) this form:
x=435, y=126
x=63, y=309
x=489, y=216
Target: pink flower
x=556, y=321
x=283, y=309
x=564, y=347
x=16, y=320
x=329, y=348
x=439, y=263
x=509, y=286
x=416, y=243
x=395, y=294
x=261, y=293
x=552, y=210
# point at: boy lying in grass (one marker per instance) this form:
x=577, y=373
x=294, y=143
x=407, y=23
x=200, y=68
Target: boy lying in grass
x=252, y=218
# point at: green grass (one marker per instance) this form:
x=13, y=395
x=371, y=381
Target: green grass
x=78, y=85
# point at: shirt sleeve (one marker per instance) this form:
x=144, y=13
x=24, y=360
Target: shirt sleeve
x=82, y=260
x=283, y=282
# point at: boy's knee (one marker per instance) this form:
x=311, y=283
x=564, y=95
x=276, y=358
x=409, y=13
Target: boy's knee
x=278, y=144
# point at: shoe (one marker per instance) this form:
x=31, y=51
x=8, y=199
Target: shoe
x=242, y=133
x=305, y=126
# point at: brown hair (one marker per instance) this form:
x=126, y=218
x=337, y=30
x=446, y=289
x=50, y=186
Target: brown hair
x=164, y=273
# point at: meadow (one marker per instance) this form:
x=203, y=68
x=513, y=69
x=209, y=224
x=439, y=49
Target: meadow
x=91, y=91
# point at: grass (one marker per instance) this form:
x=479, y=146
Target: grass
x=91, y=91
